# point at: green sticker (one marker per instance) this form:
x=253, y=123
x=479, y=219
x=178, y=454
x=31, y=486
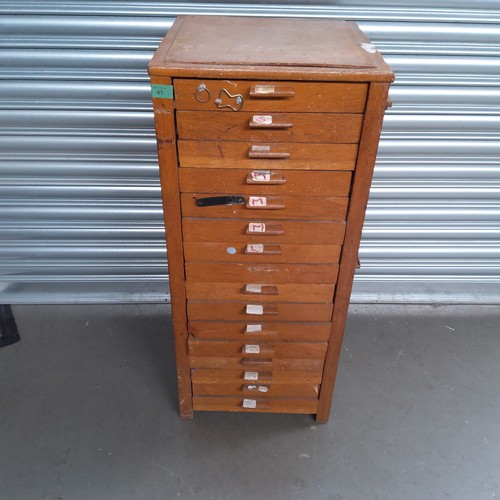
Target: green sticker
x=162, y=91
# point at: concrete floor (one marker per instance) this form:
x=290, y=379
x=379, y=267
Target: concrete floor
x=88, y=411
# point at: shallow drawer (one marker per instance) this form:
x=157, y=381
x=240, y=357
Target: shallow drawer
x=257, y=349
x=268, y=207
x=259, y=231
x=273, y=127
x=284, y=292
x=215, y=376
x=208, y=310
x=261, y=252
x=280, y=182
x=270, y=274
x=255, y=364
x=256, y=389
x=293, y=155
x=255, y=330
x=270, y=96
x=271, y=405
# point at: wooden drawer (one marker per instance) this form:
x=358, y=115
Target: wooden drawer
x=254, y=330
x=270, y=274
x=302, y=156
x=257, y=405
x=283, y=127
x=256, y=364
x=256, y=389
x=247, y=181
x=261, y=252
x=256, y=349
x=252, y=310
x=284, y=292
x=271, y=96
x=269, y=207
x=215, y=376
x=259, y=231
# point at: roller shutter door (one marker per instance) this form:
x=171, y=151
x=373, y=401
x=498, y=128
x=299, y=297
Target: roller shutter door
x=80, y=209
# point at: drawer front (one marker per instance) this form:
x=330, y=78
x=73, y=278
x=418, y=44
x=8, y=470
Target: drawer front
x=274, y=127
x=302, y=156
x=255, y=330
x=255, y=364
x=284, y=182
x=252, y=310
x=261, y=252
x=267, y=405
x=284, y=292
x=259, y=206
x=270, y=96
x=261, y=273
x=256, y=349
x=252, y=389
x=260, y=231
x=241, y=376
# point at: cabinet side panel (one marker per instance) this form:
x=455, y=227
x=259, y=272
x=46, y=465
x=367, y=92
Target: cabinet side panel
x=167, y=156
x=372, y=125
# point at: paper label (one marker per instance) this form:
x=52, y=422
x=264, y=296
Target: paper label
x=251, y=376
x=261, y=175
x=262, y=119
x=162, y=91
x=256, y=227
x=369, y=47
x=257, y=201
x=255, y=309
x=264, y=89
x=260, y=148
x=253, y=288
x=251, y=349
x=255, y=248
x=249, y=403
x=253, y=328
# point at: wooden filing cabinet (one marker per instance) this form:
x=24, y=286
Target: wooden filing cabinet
x=267, y=133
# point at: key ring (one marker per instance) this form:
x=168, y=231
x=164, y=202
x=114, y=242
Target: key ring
x=199, y=94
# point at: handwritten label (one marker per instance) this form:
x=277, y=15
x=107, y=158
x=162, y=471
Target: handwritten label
x=251, y=349
x=251, y=288
x=262, y=119
x=162, y=91
x=256, y=227
x=261, y=175
x=253, y=328
x=257, y=201
x=264, y=89
x=249, y=403
x=251, y=376
x=260, y=148
x=255, y=248
x=255, y=309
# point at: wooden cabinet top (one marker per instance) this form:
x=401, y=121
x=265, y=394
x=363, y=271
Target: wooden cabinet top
x=273, y=48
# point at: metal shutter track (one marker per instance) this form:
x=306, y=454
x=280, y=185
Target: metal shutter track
x=80, y=209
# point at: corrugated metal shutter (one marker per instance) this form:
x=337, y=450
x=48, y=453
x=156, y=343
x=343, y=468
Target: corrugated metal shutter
x=80, y=210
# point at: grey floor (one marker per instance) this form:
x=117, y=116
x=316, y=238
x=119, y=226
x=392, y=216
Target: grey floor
x=88, y=411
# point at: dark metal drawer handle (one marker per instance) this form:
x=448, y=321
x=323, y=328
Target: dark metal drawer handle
x=220, y=200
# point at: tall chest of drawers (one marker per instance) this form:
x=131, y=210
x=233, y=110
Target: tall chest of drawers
x=267, y=132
